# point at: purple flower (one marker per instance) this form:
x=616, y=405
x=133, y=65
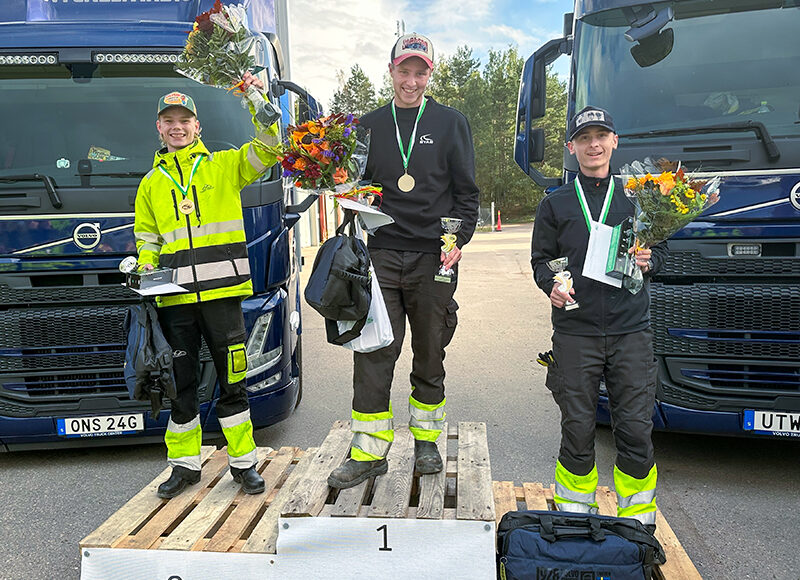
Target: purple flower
x=348, y=120
x=287, y=173
x=328, y=153
x=347, y=131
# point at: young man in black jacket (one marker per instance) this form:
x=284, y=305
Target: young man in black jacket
x=608, y=335
x=422, y=154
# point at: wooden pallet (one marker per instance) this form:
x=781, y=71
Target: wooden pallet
x=533, y=496
x=215, y=516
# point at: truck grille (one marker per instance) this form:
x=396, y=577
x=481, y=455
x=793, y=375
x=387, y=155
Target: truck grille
x=688, y=263
x=70, y=385
x=730, y=320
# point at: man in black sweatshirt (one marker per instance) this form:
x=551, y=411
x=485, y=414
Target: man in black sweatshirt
x=422, y=154
x=608, y=335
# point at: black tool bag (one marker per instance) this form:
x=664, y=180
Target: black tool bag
x=339, y=287
x=552, y=545
x=148, y=358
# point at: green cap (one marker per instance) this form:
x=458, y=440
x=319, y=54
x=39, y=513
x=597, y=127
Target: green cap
x=176, y=99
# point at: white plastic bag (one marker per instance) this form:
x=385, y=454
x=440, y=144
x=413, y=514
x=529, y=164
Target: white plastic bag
x=377, y=332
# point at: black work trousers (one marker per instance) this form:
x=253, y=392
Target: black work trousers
x=221, y=323
x=408, y=287
x=627, y=363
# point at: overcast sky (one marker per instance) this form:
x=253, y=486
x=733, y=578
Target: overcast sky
x=331, y=35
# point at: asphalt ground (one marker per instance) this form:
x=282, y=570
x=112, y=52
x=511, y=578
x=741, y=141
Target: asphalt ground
x=732, y=502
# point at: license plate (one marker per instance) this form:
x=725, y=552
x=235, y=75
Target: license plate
x=772, y=423
x=100, y=426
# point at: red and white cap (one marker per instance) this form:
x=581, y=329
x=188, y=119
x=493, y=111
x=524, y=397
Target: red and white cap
x=412, y=45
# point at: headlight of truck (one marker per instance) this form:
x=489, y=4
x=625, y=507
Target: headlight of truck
x=257, y=360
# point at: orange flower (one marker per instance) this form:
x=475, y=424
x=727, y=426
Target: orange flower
x=340, y=175
x=666, y=181
x=300, y=163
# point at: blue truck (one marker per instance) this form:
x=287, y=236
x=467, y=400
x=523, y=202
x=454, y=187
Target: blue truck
x=716, y=86
x=79, y=81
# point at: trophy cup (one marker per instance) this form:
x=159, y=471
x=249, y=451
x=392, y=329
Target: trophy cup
x=564, y=278
x=450, y=227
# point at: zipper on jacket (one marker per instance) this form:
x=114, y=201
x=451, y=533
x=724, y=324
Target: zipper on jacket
x=180, y=172
x=233, y=262
x=196, y=204
x=194, y=259
x=175, y=205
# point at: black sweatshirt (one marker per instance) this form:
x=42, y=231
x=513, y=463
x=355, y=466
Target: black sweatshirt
x=442, y=164
x=560, y=230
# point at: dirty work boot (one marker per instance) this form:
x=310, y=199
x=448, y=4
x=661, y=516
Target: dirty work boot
x=177, y=482
x=354, y=472
x=251, y=480
x=428, y=458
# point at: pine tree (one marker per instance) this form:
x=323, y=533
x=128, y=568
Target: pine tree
x=356, y=94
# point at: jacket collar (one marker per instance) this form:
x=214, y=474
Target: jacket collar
x=183, y=156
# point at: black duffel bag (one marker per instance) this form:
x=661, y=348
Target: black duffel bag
x=552, y=545
x=339, y=287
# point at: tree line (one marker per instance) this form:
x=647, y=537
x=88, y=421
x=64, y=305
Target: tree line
x=488, y=98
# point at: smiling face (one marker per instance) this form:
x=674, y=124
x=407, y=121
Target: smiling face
x=593, y=147
x=409, y=79
x=177, y=127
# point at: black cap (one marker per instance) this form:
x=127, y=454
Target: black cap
x=589, y=117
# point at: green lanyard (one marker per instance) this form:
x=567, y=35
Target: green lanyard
x=585, y=208
x=184, y=191
x=407, y=156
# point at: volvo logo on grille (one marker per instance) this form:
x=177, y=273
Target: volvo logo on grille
x=794, y=197
x=86, y=236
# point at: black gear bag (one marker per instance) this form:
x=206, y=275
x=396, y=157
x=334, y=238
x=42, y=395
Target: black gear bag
x=339, y=287
x=552, y=545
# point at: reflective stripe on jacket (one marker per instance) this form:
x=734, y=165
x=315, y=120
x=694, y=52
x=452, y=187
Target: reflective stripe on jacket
x=208, y=246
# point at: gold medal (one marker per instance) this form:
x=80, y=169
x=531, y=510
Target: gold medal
x=406, y=183
x=186, y=206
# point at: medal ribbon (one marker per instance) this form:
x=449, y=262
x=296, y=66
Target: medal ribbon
x=585, y=208
x=185, y=191
x=407, y=156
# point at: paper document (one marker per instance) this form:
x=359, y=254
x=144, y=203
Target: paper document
x=594, y=266
x=370, y=217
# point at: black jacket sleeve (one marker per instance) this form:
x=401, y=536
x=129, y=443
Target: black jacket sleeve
x=544, y=246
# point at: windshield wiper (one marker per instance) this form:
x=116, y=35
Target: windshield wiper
x=773, y=153
x=49, y=185
x=139, y=174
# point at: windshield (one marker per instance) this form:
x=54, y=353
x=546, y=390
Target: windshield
x=727, y=67
x=54, y=118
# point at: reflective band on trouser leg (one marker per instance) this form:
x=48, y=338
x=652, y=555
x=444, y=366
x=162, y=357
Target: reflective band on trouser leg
x=237, y=363
x=636, y=498
x=238, y=431
x=373, y=434
x=426, y=420
x=575, y=493
x=183, y=444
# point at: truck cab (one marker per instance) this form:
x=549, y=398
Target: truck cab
x=715, y=86
x=79, y=84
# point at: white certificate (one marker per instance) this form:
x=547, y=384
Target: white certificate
x=594, y=266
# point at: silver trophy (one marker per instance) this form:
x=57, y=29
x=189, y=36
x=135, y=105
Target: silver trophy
x=564, y=279
x=450, y=226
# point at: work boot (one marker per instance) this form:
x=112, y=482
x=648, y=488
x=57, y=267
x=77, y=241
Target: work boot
x=177, y=482
x=354, y=472
x=251, y=480
x=428, y=458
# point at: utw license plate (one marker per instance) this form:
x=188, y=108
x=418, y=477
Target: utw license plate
x=772, y=423
x=100, y=426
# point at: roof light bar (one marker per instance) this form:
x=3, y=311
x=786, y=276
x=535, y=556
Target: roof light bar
x=134, y=57
x=28, y=59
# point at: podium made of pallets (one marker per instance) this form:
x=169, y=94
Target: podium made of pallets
x=399, y=524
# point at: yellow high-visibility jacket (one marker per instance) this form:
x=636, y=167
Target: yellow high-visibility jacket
x=207, y=245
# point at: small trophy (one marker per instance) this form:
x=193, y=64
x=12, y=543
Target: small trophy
x=564, y=278
x=450, y=227
x=155, y=282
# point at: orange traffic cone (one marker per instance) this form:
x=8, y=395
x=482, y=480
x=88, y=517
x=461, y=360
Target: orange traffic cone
x=499, y=224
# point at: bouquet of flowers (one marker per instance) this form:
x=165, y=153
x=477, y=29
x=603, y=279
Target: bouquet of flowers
x=666, y=199
x=325, y=154
x=219, y=51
